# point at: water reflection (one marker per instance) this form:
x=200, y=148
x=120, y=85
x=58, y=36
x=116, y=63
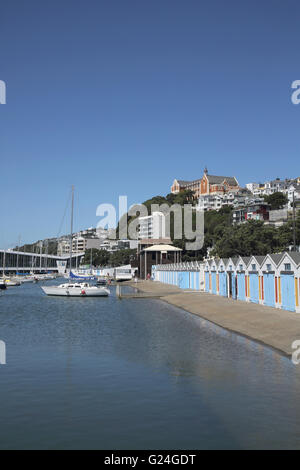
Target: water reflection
x=139, y=373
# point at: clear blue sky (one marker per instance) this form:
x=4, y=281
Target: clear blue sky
x=121, y=96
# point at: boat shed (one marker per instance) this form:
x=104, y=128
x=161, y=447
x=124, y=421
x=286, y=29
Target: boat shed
x=254, y=287
x=231, y=277
x=270, y=274
x=288, y=287
x=242, y=284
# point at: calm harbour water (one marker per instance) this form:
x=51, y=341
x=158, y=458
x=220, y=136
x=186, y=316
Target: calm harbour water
x=137, y=374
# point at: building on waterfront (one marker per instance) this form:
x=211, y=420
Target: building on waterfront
x=272, y=280
x=207, y=185
x=157, y=254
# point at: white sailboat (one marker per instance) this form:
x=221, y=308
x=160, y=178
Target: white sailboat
x=75, y=289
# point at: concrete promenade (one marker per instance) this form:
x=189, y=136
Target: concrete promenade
x=273, y=327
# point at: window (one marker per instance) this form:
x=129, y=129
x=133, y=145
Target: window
x=268, y=267
x=241, y=267
x=253, y=266
x=287, y=267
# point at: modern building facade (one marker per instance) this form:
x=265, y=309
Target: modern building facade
x=79, y=245
x=152, y=226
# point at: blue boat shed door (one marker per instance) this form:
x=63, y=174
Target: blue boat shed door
x=287, y=292
x=223, y=284
x=214, y=282
x=206, y=281
x=241, y=286
x=233, y=285
x=254, y=287
x=269, y=290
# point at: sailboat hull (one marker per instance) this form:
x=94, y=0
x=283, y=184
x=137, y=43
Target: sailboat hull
x=75, y=291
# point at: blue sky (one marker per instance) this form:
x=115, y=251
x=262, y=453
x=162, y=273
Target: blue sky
x=119, y=97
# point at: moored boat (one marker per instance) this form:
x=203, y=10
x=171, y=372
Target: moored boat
x=76, y=289
x=12, y=282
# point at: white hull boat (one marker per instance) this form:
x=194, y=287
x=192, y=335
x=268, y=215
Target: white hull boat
x=82, y=289
x=75, y=288
x=12, y=282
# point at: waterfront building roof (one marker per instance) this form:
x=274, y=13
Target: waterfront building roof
x=295, y=255
x=162, y=248
x=276, y=258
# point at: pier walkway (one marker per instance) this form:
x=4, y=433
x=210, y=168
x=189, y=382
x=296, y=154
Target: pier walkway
x=274, y=327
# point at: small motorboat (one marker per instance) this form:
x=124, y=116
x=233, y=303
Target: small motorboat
x=12, y=282
x=76, y=289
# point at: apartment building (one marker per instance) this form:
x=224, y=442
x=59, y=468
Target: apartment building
x=79, y=245
x=152, y=226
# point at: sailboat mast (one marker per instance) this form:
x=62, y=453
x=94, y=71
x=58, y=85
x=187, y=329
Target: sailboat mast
x=71, y=232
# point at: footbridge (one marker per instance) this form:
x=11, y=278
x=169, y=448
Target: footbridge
x=18, y=261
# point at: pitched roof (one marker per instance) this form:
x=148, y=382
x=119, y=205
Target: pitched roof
x=295, y=255
x=276, y=257
x=183, y=182
x=246, y=259
x=220, y=179
x=162, y=248
x=259, y=259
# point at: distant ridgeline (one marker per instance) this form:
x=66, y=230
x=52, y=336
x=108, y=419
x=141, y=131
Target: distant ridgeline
x=49, y=246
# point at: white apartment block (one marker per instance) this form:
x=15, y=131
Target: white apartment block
x=252, y=186
x=153, y=226
x=78, y=246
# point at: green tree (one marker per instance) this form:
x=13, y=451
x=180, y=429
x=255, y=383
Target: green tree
x=276, y=200
x=120, y=257
x=99, y=257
